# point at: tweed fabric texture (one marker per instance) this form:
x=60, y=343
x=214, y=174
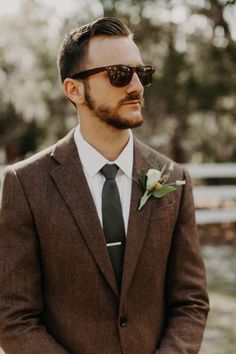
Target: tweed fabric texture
x=58, y=291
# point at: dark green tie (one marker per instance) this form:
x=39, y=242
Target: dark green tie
x=113, y=223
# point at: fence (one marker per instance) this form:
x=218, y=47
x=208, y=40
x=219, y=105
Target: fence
x=214, y=203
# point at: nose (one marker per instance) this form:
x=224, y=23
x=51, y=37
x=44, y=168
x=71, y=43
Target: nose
x=135, y=85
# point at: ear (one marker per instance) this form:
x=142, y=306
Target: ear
x=74, y=90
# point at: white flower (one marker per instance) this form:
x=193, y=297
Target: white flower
x=156, y=184
x=153, y=176
x=179, y=183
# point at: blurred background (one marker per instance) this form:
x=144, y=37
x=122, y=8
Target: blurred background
x=190, y=109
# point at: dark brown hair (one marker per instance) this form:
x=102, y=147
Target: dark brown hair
x=74, y=48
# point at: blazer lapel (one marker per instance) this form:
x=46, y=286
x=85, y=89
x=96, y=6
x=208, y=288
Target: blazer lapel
x=72, y=185
x=138, y=220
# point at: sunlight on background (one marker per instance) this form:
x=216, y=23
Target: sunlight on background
x=65, y=8
x=62, y=7
x=8, y=7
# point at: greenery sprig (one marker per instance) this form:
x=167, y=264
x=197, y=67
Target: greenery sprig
x=154, y=183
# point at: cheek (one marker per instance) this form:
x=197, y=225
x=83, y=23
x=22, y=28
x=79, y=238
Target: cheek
x=97, y=85
x=102, y=91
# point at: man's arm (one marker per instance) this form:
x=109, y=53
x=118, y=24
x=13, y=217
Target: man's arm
x=21, y=301
x=187, y=300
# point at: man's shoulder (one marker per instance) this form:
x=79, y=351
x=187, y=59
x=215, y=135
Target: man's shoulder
x=42, y=159
x=31, y=164
x=153, y=156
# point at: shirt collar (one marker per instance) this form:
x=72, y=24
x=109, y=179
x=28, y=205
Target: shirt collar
x=92, y=161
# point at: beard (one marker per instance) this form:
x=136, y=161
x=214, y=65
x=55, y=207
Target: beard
x=110, y=115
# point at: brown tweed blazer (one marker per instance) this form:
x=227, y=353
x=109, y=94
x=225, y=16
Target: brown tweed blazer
x=58, y=293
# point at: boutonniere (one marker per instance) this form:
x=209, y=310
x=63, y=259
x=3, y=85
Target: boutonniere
x=154, y=183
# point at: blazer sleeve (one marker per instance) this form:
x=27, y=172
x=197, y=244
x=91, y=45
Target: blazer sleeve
x=21, y=301
x=187, y=299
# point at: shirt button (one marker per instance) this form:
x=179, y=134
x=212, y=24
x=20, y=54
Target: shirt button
x=123, y=321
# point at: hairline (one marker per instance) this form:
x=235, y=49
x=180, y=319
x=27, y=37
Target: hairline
x=82, y=67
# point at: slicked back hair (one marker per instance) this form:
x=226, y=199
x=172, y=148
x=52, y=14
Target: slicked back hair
x=74, y=48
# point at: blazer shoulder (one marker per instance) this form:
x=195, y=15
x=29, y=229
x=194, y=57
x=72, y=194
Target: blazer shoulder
x=32, y=161
x=42, y=158
x=154, y=157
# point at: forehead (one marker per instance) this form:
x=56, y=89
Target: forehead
x=104, y=51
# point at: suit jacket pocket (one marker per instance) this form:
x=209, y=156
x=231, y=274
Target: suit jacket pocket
x=160, y=231
x=161, y=212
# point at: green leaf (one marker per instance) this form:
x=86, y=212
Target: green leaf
x=144, y=199
x=163, y=191
x=142, y=182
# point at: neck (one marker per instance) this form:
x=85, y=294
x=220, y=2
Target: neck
x=105, y=139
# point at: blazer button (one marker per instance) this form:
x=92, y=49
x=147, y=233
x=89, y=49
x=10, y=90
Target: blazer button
x=123, y=321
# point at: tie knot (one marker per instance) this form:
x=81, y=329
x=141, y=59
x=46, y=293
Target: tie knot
x=109, y=171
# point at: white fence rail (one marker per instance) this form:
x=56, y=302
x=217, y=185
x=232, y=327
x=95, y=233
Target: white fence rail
x=212, y=170
x=217, y=203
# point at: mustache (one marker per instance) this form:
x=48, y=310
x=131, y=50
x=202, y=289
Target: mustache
x=132, y=97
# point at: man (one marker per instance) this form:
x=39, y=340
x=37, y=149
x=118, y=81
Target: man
x=69, y=282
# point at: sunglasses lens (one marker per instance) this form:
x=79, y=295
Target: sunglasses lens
x=119, y=75
x=145, y=74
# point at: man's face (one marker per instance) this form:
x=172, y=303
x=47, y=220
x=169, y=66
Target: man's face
x=120, y=107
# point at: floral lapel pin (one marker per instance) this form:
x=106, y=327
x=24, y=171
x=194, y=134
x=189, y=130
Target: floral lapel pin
x=154, y=183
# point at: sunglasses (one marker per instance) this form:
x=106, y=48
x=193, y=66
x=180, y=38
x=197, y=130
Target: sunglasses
x=120, y=75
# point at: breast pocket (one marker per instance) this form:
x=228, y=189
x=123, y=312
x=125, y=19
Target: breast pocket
x=162, y=212
x=160, y=233
x=162, y=224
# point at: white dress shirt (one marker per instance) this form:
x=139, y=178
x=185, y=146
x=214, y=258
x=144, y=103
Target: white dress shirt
x=92, y=162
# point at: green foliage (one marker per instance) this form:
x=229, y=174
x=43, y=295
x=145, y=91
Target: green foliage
x=163, y=191
x=143, y=181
